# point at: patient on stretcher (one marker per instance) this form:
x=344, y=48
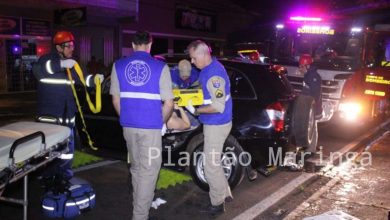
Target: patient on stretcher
x=181, y=120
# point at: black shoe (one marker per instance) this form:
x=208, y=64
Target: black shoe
x=215, y=210
x=266, y=170
x=252, y=174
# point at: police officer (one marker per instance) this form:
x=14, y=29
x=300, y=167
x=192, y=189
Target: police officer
x=184, y=76
x=139, y=83
x=216, y=115
x=56, y=102
x=311, y=82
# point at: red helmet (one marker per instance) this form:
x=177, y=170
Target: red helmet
x=305, y=59
x=62, y=37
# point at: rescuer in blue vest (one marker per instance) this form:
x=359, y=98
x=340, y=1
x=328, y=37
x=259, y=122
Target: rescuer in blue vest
x=56, y=102
x=216, y=116
x=139, y=86
x=184, y=76
x=311, y=82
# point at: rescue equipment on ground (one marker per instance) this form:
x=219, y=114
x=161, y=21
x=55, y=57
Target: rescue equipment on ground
x=94, y=108
x=70, y=203
x=183, y=96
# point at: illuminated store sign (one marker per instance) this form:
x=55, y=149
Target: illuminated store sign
x=302, y=18
x=377, y=79
x=376, y=93
x=315, y=30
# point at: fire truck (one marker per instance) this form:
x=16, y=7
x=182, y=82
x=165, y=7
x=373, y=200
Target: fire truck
x=353, y=61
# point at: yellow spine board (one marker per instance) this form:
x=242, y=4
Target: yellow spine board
x=183, y=96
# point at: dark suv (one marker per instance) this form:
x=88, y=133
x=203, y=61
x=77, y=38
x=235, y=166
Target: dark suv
x=267, y=117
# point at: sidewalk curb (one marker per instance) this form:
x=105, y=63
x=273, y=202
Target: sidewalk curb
x=266, y=203
x=362, y=140
x=96, y=165
x=301, y=207
x=372, y=137
x=275, y=197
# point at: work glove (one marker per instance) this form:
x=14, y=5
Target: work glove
x=100, y=76
x=190, y=107
x=164, y=129
x=68, y=63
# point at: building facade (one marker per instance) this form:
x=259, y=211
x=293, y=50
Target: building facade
x=103, y=30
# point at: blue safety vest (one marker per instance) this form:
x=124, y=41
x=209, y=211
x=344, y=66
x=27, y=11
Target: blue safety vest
x=184, y=84
x=215, y=69
x=139, y=83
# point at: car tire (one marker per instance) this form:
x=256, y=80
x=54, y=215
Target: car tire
x=304, y=125
x=233, y=169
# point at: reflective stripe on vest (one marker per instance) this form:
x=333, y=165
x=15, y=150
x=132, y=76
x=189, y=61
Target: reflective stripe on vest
x=87, y=80
x=48, y=67
x=66, y=156
x=56, y=81
x=208, y=101
x=140, y=95
x=81, y=201
x=48, y=208
x=49, y=120
x=72, y=120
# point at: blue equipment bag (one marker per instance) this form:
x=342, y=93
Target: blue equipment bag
x=70, y=203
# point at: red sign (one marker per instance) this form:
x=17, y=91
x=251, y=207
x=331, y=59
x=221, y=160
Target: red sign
x=9, y=25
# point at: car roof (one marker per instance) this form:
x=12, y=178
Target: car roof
x=175, y=58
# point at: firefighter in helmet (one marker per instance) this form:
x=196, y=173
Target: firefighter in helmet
x=56, y=102
x=311, y=82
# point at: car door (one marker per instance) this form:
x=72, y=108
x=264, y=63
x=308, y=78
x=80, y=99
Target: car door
x=249, y=116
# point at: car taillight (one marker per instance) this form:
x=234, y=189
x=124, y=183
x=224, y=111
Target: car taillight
x=278, y=69
x=275, y=113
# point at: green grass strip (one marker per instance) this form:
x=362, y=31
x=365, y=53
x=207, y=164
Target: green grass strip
x=82, y=159
x=169, y=178
x=166, y=177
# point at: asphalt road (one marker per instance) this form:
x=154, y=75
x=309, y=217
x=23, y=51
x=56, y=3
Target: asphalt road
x=183, y=201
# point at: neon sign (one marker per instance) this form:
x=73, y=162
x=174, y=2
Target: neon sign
x=315, y=30
x=301, y=18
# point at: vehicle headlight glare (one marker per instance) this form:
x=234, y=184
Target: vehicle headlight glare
x=350, y=111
